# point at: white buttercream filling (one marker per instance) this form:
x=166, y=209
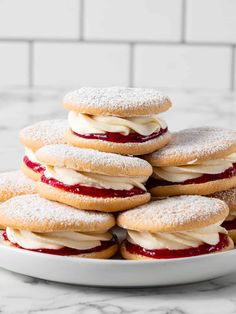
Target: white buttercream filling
x=194, y=169
x=82, y=123
x=72, y=177
x=29, y=153
x=177, y=240
x=56, y=240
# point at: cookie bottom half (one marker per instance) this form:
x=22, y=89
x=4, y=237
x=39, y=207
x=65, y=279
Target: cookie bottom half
x=114, y=204
x=119, y=148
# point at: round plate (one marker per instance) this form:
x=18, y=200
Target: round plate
x=117, y=273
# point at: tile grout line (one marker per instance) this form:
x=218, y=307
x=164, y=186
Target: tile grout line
x=81, y=20
x=131, y=64
x=233, y=68
x=183, y=22
x=31, y=65
x=119, y=42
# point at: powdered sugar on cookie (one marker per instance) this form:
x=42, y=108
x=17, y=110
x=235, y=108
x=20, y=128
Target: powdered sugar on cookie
x=175, y=214
x=228, y=196
x=15, y=183
x=34, y=213
x=44, y=133
x=117, y=100
x=194, y=144
x=92, y=160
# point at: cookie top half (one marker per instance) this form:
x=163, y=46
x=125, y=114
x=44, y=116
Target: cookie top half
x=14, y=183
x=36, y=214
x=43, y=133
x=120, y=101
x=182, y=213
x=228, y=196
x=90, y=160
x=196, y=144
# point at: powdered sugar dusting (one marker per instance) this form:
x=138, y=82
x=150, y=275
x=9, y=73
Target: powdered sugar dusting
x=196, y=143
x=31, y=209
x=93, y=158
x=116, y=98
x=228, y=196
x=176, y=212
x=15, y=183
x=45, y=132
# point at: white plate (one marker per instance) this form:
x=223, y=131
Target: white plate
x=117, y=273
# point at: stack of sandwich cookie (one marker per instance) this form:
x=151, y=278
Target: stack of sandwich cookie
x=36, y=136
x=13, y=183
x=117, y=120
x=39, y=225
x=229, y=197
x=92, y=180
x=175, y=227
x=197, y=161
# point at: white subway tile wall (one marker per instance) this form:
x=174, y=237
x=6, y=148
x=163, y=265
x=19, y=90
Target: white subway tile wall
x=51, y=19
x=182, y=66
x=133, y=20
x=212, y=21
x=14, y=69
x=76, y=64
x=158, y=43
x=234, y=69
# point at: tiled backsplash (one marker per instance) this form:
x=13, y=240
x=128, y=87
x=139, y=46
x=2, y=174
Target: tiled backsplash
x=161, y=43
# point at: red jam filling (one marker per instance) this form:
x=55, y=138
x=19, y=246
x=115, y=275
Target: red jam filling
x=229, y=224
x=91, y=191
x=166, y=253
x=33, y=165
x=65, y=251
x=120, y=138
x=228, y=173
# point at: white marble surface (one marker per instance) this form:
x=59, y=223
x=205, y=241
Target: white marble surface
x=21, y=294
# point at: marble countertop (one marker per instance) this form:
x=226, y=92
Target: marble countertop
x=21, y=294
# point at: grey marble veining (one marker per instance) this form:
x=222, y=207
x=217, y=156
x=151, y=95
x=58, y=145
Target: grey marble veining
x=21, y=294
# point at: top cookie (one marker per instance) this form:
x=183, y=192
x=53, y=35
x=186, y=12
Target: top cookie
x=228, y=196
x=120, y=101
x=33, y=213
x=182, y=213
x=196, y=144
x=14, y=183
x=43, y=133
x=93, y=161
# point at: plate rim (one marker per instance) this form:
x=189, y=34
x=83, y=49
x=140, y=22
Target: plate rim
x=73, y=259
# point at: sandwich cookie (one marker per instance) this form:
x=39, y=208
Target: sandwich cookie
x=117, y=119
x=92, y=180
x=175, y=227
x=197, y=161
x=15, y=183
x=36, y=136
x=229, y=197
x=39, y=225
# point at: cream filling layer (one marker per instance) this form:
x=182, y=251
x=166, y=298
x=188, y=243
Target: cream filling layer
x=177, y=240
x=56, y=240
x=194, y=170
x=31, y=155
x=72, y=177
x=82, y=123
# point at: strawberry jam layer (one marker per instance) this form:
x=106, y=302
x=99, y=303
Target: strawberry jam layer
x=90, y=190
x=228, y=173
x=229, y=224
x=166, y=253
x=33, y=165
x=65, y=251
x=120, y=138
